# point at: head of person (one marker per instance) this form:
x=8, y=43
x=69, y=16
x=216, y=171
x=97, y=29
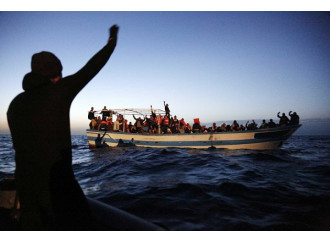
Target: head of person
x=47, y=65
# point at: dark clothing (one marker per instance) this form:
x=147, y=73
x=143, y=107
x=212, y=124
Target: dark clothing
x=283, y=120
x=91, y=115
x=196, y=128
x=105, y=113
x=167, y=110
x=294, y=118
x=51, y=198
x=271, y=124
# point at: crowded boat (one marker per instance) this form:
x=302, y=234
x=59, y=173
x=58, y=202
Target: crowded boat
x=163, y=122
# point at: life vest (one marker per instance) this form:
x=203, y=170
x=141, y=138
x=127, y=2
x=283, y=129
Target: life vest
x=183, y=123
x=166, y=121
x=158, y=119
x=196, y=120
x=104, y=125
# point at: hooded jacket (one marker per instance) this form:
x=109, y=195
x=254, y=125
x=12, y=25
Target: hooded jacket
x=39, y=122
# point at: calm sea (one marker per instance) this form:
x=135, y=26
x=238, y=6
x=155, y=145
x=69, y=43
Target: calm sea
x=188, y=189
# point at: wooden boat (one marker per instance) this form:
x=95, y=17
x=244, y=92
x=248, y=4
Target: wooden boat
x=259, y=139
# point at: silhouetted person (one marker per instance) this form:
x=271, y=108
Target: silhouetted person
x=91, y=114
x=271, y=124
x=294, y=118
x=98, y=141
x=105, y=112
x=50, y=197
x=167, y=109
x=283, y=119
x=196, y=128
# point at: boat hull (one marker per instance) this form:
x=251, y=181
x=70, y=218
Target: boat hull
x=261, y=139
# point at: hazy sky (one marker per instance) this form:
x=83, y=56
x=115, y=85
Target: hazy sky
x=211, y=65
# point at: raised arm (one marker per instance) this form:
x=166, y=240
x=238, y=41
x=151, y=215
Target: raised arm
x=74, y=83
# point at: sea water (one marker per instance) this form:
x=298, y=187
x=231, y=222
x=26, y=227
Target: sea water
x=209, y=189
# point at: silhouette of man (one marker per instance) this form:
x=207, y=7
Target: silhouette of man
x=50, y=197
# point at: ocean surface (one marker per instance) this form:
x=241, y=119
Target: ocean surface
x=188, y=189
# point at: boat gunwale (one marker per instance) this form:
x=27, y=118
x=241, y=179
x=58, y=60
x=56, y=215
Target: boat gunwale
x=287, y=127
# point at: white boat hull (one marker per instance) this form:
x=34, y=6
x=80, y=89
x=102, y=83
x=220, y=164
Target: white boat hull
x=261, y=139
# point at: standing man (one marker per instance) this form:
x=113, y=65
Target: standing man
x=167, y=109
x=50, y=196
x=91, y=114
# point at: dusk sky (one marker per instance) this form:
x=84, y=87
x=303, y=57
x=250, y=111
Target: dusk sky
x=210, y=65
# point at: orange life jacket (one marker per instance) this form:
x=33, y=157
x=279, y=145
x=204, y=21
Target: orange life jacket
x=158, y=119
x=166, y=121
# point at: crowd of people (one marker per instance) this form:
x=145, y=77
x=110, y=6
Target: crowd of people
x=167, y=124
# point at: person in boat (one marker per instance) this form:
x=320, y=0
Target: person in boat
x=213, y=128
x=271, y=124
x=91, y=117
x=183, y=123
x=234, y=126
x=241, y=127
x=167, y=130
x=263, y=125
x=98, y=141
x=158, y=121
x=223, y=127
x=294, y=118
x=120, y=119
x=188, y=129
x=98, y=122
x=130, y=126
x=175, y=120
x=166, y=124
x=151, y=122
x=105, y=112
x=152, y=113
x=204, y=129
x=117, y=124
x=196, y=126
x=50, y=197
x=133, y=129
x=181, y=128
x=152, y=130
x=139, y=124
x=125, y=125
x=284, y=120
x=174, y=124
x=251, y=126
x=93, y=124
x=91, y=113
x=167, y=109
x=146, y=125
x=110, y=124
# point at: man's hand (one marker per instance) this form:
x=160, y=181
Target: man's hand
x=114, y=31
